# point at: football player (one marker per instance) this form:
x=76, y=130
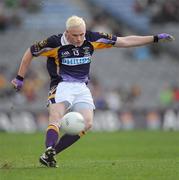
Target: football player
x=69, y=58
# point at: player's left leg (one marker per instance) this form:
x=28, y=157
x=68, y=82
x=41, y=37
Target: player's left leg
x=56, y=112
x=67, y=140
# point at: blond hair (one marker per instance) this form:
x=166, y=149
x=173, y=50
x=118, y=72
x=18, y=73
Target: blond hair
x=74, y=21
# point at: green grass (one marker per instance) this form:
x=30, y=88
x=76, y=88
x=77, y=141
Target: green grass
x=131, y=155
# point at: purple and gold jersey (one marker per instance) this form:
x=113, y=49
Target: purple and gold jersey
x=67, y=62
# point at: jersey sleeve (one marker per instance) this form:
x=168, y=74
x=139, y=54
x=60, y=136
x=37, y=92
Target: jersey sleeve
x=47, y=47
x=100, y=40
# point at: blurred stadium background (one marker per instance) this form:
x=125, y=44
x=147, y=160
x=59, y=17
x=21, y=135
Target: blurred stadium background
x=132, y=88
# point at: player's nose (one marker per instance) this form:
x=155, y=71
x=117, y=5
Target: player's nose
x=78, y=39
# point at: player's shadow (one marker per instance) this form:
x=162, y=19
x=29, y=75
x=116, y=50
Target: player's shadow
x=8, y=166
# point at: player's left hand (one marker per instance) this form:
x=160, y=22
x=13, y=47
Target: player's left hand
x=164, y=37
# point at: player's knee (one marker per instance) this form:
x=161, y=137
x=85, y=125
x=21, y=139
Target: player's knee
x=89, y=125
x=54, y=117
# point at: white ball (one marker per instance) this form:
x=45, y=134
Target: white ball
x=72, y=123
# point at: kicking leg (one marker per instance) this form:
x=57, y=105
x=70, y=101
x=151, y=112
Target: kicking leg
x=67, y=140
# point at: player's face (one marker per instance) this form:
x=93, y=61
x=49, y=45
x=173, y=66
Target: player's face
x=76, y=35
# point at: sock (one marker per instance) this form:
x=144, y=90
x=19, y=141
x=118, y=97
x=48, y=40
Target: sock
x=67, y=140
x=51, y=136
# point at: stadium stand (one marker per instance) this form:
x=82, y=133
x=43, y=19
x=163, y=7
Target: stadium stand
x=150, y=74
x=57, y=12
x=123, y=11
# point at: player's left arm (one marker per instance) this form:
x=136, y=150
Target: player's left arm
x=132, y=41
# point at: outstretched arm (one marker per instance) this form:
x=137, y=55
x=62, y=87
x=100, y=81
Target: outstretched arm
x=132, y=41
x=26, y=60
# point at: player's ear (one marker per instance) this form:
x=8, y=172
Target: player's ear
x=66, y=33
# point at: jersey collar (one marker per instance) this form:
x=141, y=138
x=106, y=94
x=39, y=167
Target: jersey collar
x=64, y=40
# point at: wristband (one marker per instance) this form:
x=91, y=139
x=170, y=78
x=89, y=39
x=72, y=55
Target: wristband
x=156, y=39
x=19, y=78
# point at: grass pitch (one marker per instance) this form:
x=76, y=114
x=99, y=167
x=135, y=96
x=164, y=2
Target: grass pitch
x=135, y=155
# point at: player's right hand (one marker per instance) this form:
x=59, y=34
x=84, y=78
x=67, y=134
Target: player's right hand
x=17, y=83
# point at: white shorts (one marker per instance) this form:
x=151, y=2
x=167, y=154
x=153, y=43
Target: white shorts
x=73, y=93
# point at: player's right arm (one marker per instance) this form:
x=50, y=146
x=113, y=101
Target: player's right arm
x=41, y=48
x=26, y=60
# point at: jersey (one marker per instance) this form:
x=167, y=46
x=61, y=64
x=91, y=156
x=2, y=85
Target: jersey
x=69, y=63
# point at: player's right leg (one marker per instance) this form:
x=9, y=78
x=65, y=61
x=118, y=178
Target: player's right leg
x=67, y=140
x=56, y=112
x=83, y=103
